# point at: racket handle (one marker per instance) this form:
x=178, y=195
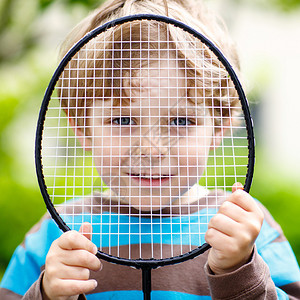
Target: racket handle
x=146, y=282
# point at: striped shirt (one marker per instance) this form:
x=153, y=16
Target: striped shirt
x=272, y=273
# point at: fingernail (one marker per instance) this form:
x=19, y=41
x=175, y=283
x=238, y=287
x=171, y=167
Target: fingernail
x=237, y=186
x=95, y=283
x=95, y=249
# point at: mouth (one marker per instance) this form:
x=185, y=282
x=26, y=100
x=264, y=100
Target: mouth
x=150, y=180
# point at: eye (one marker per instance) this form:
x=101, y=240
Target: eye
x=123, y=121
x=181, y=121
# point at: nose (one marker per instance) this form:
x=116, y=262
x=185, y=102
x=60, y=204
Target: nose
x=152, y=142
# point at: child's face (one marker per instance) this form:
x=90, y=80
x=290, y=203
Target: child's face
x=152, y=150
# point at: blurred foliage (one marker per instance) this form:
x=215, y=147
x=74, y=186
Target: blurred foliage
x=88, y=3
x=280, y=5
x=17, y=36
x=25, y=69
x=285, y=5
x=17, y=32
x=20, y=201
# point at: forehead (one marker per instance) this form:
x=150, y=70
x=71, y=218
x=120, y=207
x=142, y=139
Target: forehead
x=159, y=90
x=161, y=87
x=163, y=79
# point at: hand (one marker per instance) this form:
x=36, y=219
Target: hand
x=68, y=264
x=233, y=231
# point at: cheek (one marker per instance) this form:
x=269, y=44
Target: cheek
x=195, y=149
x=109, y=153
x=193, y=153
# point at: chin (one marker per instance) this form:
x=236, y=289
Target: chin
x=150, y=204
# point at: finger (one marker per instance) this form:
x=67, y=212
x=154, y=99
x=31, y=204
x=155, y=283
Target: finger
x=86, y=230
x=249, y=215
x=233, y=211
x=74, y=273
x=229, y=246
x=243, y=200
x=72, y=240
x=241, y=233
x=237, y=186
x=224, y=224
x=82, y=258
x=69, y=287
x=217, y=240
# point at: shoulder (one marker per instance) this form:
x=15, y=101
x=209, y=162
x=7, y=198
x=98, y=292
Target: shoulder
x=29, y=257
x=274, y=248
x=270, y=231
x=39, y=238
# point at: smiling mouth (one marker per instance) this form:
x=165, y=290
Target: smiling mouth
x=147, y=176
x=150, y=180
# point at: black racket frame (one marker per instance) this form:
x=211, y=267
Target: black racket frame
x=146, y=265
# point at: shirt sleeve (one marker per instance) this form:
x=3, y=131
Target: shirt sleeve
x=251, y=281
x=35, y=293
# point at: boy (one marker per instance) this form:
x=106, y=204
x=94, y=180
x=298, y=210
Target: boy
x=65, y=267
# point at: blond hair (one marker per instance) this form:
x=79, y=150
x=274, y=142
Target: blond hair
x=108, y=64
x=191, y=12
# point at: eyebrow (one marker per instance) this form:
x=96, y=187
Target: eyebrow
x=183, y=111
x=191, y=110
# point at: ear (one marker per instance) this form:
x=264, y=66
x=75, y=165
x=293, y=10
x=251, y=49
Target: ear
x=219, y=133
x=85, y=141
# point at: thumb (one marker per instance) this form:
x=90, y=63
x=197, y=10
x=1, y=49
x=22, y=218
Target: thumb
x=86, y=230
x=237, y=186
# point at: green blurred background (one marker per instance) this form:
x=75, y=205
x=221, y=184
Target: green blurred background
x=30, y=34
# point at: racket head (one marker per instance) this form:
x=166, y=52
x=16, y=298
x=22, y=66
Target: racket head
x=63, y=124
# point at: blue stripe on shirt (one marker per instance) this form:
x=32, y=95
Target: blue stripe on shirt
x=281, y=295
x=282, y=263
x=155, y=295
x=267, y=234
x=111, y=229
